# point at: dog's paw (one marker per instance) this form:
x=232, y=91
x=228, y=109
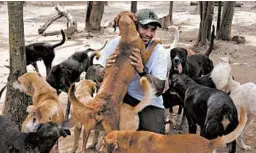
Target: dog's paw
x=246, y=147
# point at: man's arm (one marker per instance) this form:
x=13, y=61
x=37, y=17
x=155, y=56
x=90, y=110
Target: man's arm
x=158, y=73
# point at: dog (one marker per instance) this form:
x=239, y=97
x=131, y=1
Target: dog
x=194, y=65
x=129, y=119
x=64, y=74
x=219, y=76
x=145, y=142
x=212, y=109
x=40, y=141
x=42, y=51
x=103, y=108
x=46, y=106
x=243, y=95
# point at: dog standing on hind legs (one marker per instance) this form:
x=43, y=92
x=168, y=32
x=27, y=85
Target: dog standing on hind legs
x=103, y=108
x=129, y=119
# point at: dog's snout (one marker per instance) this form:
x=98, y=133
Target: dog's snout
x=176, y=61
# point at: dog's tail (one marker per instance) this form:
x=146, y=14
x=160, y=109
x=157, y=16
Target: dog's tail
x=96, y=50
x=176, y=37
x=209, y=50
x=149, y=93
x=96, y=54
x=62, y=42
x=2, y=90
x=218, y=142
x=74, y=101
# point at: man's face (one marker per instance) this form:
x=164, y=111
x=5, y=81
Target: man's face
x=147, y=32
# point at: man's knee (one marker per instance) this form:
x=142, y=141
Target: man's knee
x=152, y=119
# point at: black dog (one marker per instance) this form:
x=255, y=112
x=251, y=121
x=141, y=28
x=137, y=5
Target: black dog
x=67, y=72
x=41, y=141
x=212, y=109
x=194, y=65
x=42, y=51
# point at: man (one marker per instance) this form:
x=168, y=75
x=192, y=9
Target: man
x=152, y=117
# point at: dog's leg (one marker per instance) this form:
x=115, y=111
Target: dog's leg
x=48, y=65
x=94, y=139
x=86, y=133
x=191, y=125
x=232, y=147
x=77, y=132
x=67, y=110
x=240, y=139
x=183, y=125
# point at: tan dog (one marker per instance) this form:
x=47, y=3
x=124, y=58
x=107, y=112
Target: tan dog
x=46, y=106
x=103, y=108
x=129, y=119
x=149, y=142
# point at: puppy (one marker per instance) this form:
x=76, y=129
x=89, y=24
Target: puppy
x=42, y=51
x=40, y=141
x=218, y=78
x=145, y=142
x=212, y=109
x=243, y=95
x=46, y=106
x=129, y=118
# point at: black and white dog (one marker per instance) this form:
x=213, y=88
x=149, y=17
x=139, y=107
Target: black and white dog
x=41, y=141
x=42, y=51
x=195, y=65
x=212, y=109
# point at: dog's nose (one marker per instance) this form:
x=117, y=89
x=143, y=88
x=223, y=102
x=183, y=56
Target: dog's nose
x=176, y=61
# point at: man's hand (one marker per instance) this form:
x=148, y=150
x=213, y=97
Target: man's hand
x=137, y=60
x=111, y=60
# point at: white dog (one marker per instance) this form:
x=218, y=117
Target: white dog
x=218, y=78
x=243, y=95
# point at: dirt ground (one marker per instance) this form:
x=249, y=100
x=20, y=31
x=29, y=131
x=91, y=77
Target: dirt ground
x=242, y=56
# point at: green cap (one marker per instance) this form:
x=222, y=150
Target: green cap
x=146, y=16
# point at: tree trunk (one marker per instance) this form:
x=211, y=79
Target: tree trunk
x=134, y=6
x=219, y=15
x=94, y=15
x=16, y=102
x=170, y=12
x=224, y=32
x=206, y=15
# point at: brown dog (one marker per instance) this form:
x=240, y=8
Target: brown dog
x=46, y=106
x=103, y=108
x=129, y=119
x=149, y=142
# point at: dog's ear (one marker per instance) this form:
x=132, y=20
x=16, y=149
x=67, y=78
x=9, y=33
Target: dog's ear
x=186, y=52
x=116, y=21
